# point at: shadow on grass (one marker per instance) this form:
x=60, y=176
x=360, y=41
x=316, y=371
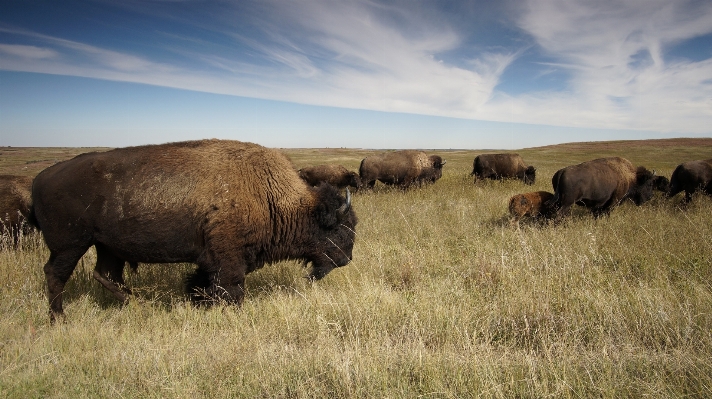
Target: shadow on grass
x=164, y=285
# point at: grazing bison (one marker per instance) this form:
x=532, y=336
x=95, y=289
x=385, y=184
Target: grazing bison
x=502, y=166
x=530, y=204
x=15, y=200
x=336, y=175
x=230, y=207
x=600, y=184
x=690, y=177
x=402, y=168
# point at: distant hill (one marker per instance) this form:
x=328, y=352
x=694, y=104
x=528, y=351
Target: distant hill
x=620, y=144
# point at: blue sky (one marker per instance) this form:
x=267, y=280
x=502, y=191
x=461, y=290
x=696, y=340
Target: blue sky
x=362, y=74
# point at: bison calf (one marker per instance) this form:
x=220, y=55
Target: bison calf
x=530, y=204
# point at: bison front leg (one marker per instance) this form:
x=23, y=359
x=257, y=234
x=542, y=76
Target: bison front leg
x=218, y=278
x=606, y=208
x=228, y=285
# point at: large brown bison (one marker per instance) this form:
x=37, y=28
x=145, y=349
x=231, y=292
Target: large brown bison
x=535, y=204
x=690, y=177
x=600, y=184
x=230, y=207
x=402, y=168
x=15, y=200
x=502, y=166
x=336, y=175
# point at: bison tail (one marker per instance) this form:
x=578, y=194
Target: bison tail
x=553, y=203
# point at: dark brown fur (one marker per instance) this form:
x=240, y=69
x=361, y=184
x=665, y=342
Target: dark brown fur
x=502, y=166
x=691, y=177
x=230, y=207
x=15, y=203
x=661, y=183
x=403, y=168
x=530, y=204
x=336, y=175
x=600, y=185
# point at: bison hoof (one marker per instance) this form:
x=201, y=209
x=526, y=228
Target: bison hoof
x=57, y=317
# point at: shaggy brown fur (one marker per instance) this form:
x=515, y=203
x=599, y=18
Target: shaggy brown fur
x=530, y=204
x=15, y=200
x=336, y=175
x=600, y=184
x=230, y=207
x=502, y=166
x=402, y=168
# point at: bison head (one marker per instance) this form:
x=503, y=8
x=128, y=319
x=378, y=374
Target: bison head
x=642, y=190
x=661, y=183
x=332, y=243
x=437, y=161
x=354, y=180
x=529, y=175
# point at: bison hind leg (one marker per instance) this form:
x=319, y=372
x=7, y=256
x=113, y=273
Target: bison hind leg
x=57, y=271
x=109, y=271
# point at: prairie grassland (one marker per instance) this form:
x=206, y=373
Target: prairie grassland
x=443, y=299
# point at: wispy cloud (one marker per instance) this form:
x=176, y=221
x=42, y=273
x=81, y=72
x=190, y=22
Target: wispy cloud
x=27, y=52
x=614, y=51
x=399, y=57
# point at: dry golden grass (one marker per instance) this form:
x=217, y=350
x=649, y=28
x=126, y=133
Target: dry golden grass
x=443, y=299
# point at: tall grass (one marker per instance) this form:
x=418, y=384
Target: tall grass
x=443, y=299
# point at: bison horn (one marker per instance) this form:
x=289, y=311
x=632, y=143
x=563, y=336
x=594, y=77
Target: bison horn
x=345, y=207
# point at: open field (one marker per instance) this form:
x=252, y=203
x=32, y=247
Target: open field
x=444, y=299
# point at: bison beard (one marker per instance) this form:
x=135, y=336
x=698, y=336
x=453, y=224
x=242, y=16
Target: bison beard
x=229, y=207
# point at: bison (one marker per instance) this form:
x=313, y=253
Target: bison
x=690, y=177
x=15, y=200
x=502, y=166
x=403, y=168
x=336, y=175
x=533, y=204
x=600, y=184
x=227, y=206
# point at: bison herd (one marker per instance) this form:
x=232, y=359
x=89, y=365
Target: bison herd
x=231, y=207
